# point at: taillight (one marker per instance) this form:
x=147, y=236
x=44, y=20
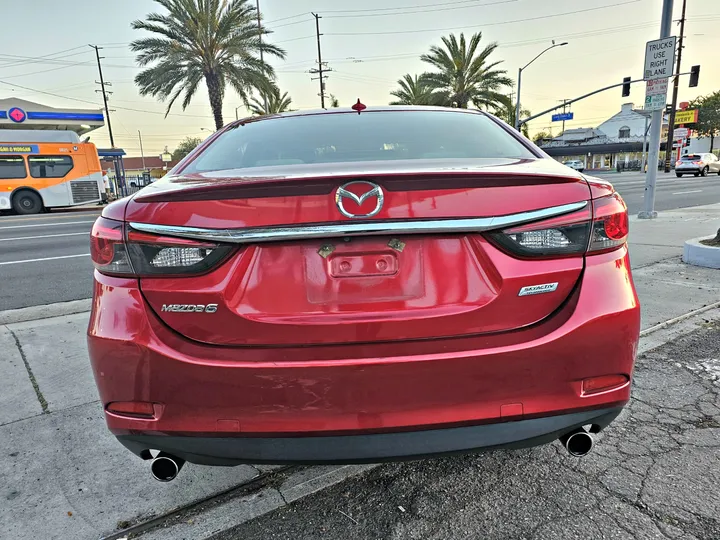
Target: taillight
x=107, y=248
x=678, y=163
x=556, y=237
x=605, y=229
x=610, y=224
x=117, y=250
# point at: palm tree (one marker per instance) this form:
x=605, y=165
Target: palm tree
x=217, y=41
x=414, y=90
x=507, y=113
x=270, y=102
x=464, y=75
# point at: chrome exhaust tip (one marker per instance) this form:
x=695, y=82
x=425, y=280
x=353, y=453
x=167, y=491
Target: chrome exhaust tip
x=165, y=467
x=578, y=443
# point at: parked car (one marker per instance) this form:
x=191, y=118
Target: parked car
x=697, y=164
x=575, y=164
x=361, y=285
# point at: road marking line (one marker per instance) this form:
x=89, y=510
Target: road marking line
x=44, y=225
x=686, y=192
x=46, y=259
x=73, y=215
x=43, y=236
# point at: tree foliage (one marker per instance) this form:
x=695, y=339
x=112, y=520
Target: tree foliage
x=270, y=102
x=464, y=74
x=540, y=135
x=215, y=41
x=187, y=145
x=708, y=124
x=415, y=90
x=507, y=113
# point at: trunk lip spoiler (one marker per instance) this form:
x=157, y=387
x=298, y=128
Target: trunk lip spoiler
x=281, y=233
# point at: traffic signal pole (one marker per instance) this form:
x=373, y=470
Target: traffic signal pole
x=656, y=130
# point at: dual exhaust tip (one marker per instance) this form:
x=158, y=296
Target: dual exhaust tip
x=166, y=467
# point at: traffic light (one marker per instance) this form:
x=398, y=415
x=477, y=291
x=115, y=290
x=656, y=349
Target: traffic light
x=694, y=76
x=626, y=86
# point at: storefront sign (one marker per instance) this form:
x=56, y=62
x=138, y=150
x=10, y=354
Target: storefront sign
x=689, y=116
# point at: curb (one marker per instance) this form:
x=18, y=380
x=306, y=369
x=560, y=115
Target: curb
x=48, y=311
x=699, y=254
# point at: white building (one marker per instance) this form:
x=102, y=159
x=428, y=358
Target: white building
x=617, y=143
x=628, y=123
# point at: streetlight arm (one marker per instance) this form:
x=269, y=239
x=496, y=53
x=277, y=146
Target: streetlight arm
x=517, y=104
x=543, y=52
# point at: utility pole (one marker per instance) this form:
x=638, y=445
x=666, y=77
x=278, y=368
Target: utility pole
x=142, y=154
x=564, y=102
x=671, y=117
x=320, y=69
x=103, y=84
x=265, y=101
x=656, y=129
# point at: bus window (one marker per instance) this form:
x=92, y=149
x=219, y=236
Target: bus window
x=50, y=166
x=12, y=167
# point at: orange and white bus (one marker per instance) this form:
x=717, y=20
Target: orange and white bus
x=42, y=169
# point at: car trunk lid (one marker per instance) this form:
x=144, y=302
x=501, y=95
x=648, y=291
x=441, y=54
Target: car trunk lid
x=393, y=277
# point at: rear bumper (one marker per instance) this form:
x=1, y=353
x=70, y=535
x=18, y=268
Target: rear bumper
x=234, y=404
x=370, y=448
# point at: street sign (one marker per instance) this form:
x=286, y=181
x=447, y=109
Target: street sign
x=656, y=94
x=562, y=116
x=656, y=87
x=689, y=116
x=655, y=103
x=659, y=58
x=680, y=133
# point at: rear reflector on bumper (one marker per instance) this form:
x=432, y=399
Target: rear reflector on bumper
x=133, y=409
x=603, y=383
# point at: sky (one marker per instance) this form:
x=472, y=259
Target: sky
x=368, y=45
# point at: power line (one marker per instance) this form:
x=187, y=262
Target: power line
x=579, y=35
x=306, y=13
x=499, y=23
x=418, y=9
x=39, y=57
x=94, y=103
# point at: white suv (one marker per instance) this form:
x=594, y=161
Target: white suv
x=575, y=164
x=697, y=164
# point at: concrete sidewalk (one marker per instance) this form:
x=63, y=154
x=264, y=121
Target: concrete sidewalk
x=62, y=475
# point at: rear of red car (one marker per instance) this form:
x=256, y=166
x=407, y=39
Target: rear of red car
x=343, y=287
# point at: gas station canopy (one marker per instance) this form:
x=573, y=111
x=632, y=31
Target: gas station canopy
x=22, y=114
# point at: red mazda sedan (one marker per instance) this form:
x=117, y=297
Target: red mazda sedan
x=362, y=285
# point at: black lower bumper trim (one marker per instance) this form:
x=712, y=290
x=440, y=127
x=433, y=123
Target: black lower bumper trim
x=371, y=448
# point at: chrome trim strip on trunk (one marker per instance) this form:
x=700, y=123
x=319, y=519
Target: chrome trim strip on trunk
x=355, y=228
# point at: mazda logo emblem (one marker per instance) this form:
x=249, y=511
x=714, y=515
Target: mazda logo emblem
x=369, y=190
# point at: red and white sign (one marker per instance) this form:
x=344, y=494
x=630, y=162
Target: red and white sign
x=681, y=133
x=655, y=87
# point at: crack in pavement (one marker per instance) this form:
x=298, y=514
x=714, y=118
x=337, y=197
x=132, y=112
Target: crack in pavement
x=33, y=381
x=653, y=475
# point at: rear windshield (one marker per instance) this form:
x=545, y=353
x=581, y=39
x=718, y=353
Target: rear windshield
x=350, y=137
x=693, y=157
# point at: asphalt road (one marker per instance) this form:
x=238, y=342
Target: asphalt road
x=654, y=474
x=45, y=258
x=670, y=192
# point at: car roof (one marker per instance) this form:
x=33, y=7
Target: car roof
x=350, y=110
